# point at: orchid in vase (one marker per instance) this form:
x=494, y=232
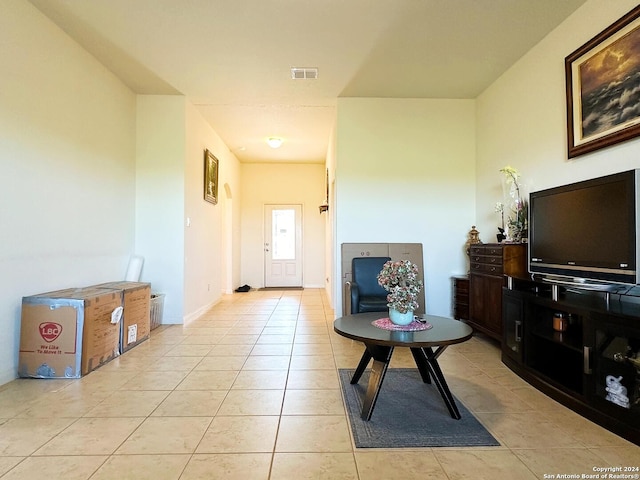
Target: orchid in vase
x=518, y=207
x=400, y=279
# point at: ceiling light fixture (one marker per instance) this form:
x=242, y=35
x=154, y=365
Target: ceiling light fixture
x=274, y=142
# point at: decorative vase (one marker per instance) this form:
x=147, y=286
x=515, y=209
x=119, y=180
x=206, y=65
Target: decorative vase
x=399, y=318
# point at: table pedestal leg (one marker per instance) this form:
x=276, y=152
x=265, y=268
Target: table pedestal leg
x=421, y=363
x=426, y=357
x=381, y=357
x=364, y=361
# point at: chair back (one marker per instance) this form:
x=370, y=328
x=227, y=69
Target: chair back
x=364, y=271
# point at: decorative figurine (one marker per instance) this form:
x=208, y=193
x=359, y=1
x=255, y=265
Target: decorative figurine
x=617, y=393
x=473, y=239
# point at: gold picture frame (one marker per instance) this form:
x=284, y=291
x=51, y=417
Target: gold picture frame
x=603, y=88
x=210, y=177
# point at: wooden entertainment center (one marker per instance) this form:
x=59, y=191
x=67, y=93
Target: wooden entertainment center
x=580, y=347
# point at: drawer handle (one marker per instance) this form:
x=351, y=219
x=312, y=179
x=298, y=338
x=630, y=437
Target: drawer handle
x=586, y=360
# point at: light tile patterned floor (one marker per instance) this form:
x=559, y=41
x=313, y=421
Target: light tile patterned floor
x=250, y=391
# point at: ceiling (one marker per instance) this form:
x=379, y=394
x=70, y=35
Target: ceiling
x=232, y=58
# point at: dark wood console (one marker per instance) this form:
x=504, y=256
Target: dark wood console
x=587, y=357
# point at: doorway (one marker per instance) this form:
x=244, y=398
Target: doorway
x=283, y=246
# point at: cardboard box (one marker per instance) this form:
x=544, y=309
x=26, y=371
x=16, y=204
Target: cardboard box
x=69, y=333
x=136, y=318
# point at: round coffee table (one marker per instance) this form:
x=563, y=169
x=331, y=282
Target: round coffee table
x=379, y=345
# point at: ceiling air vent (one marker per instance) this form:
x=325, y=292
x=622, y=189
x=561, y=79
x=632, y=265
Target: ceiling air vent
x=304, y=73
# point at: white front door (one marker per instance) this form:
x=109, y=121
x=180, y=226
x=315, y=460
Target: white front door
x=283, y=246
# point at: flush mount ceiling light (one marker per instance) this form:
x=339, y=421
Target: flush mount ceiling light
x=274, y=142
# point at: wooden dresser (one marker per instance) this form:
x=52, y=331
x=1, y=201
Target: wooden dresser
x=490, y=264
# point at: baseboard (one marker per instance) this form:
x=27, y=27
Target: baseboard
x=198, y=313
x=280, y=288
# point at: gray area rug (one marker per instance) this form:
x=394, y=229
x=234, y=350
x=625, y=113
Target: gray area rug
x=409, y=413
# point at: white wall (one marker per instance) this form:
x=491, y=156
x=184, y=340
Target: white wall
x=67, y=156
x=521, y=118
x=160, y=193
x=78, y=203
x=212, y=241
x=331, y=260
x=283, y=184
x=405, y=172
x=181, y=236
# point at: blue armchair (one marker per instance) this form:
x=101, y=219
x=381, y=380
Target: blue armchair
x=365, y=293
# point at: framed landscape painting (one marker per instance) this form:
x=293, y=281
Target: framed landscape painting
x=603, y=88
x=210, y=177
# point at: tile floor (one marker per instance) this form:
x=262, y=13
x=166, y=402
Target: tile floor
x=250, y=391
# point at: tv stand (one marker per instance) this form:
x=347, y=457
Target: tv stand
x=590, y=363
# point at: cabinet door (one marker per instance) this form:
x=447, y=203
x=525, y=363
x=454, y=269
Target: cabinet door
x=486, y=304
x=476, y=299
x=615, y=383
x=493, y=304
x=512, y=317
x=559, y=357
x=461, y=298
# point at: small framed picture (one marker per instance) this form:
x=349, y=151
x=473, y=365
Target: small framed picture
x=210, y=177
x=603, y=88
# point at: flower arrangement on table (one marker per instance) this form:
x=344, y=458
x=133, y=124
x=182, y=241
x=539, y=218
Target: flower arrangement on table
x=400, y=279
x=517, y=209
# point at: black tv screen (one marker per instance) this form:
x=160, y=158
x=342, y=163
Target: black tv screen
x=586, y=230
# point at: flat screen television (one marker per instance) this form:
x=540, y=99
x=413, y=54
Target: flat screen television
x=586, y=233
